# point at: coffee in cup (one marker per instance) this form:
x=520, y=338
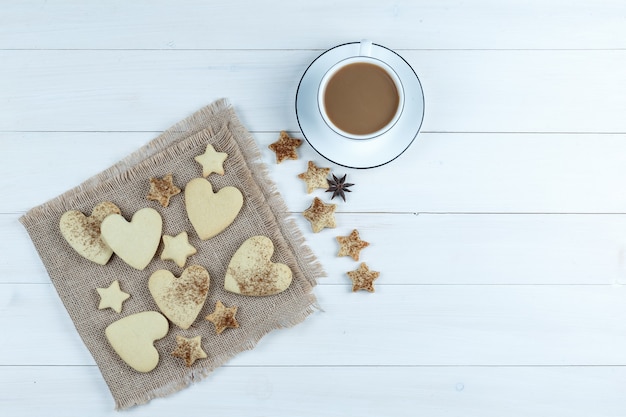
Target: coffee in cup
x=361, y=97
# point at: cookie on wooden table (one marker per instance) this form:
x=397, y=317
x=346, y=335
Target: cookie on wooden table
x=351, y=245
x=362, y=278
x=320, y=215
x=285, y=147
x=314, y=177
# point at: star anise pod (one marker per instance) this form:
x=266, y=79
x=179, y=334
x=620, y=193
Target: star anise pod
x=339, y=186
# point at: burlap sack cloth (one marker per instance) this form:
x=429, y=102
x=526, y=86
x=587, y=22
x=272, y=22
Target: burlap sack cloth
x=126, y=184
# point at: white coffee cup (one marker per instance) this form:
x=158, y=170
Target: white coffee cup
x=363, y=57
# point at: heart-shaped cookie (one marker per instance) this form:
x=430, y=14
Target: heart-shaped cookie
x=133, y=336
x=135, y=242
x=180, y=299
x=83, y=233
x=209, y=212
x=251, y=272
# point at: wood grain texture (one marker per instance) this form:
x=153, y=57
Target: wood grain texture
x=430, y=249
x=466, y=91
x=403, y=24
x=399, y=325
x=441, y=173
x=340, y=391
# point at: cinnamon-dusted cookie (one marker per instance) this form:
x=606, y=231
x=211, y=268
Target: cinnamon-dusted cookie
x=362, y=278
x=223, y=317
x=162, y=189
x=285, y=147
x=84, y=235
x=351, y=245
x=314, y=177
x=180, y=299
x=320, y=215
x=189, y=350
x=251, y=271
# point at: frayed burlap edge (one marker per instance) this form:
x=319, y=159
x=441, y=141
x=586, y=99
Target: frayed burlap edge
x=276, y=207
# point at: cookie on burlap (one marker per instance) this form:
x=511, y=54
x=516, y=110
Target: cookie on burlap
x=84, y=235
x=177, y=248
x=189, y=350
x=112, y=297
x=264, y=212
x=223, y=317
x=162, y=189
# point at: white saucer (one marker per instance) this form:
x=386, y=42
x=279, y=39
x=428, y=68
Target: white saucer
x=359, y=153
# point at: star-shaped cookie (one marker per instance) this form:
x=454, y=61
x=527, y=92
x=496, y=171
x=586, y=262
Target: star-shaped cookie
x=223, y=317
x=162, y=190
x=177, y=249
x=320, y=215
x=351, y=245
x=112, y=297
x=189, y=350
x=315, y=177
x=211, y=161
x=285, y=147
x=362, y=278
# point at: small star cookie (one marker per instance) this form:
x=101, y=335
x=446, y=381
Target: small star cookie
x=189, y=350
x=177, y=249
x=285, y=147
x=223, y=317
x=362, y=278
x=112, y=297
x=351, y=245
x=315, y=177
x=162, y=190
x=320, y=215
x=211, y=161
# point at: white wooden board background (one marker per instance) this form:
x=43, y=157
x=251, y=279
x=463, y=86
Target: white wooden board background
x=500, y=234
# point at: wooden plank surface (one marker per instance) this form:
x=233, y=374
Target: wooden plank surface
x=405, y=325
x=276, y=24
x=500, y=234
x=340, y=391
x=466, y=249
x=466, y=91
x=440, y=173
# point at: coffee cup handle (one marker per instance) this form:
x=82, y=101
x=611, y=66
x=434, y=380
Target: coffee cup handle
x=365, y=48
